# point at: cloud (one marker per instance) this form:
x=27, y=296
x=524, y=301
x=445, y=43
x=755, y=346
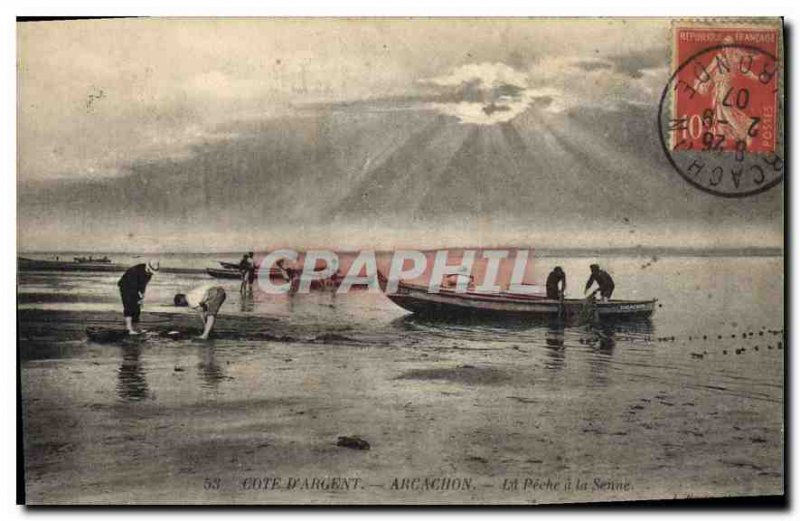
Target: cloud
x=488, y=75
x=483, y=93
x=592, y=65
x=609, y=82
x=636, y=62
x=163, y=78
x=98, y=96
x=489, y=93
x=632, y=64
x=494, y=92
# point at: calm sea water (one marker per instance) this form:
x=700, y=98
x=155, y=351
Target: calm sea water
x=713, y=296
x=688, y=403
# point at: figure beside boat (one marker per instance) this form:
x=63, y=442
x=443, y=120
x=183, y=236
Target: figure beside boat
x=556, y=284
x=449, y=303
x=455, y=296
x=247, y=271
x=605, y=284
x=458, y=293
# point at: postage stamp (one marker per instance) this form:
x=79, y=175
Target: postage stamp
x=720, y=116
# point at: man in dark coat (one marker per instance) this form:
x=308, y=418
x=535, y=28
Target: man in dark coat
x=556, y=284
x=605, y=284
x=132, y=286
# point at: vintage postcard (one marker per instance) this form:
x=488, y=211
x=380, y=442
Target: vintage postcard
x=401, y=261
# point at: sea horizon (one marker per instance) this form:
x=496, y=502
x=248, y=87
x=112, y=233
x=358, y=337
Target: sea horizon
x=756, y=251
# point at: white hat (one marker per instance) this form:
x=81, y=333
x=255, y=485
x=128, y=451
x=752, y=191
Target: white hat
x=153, y=265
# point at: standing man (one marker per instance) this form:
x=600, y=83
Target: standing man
x=605, y=284
x=556, y=278
x=207, y=301
x=247, y=267
x=132, y=286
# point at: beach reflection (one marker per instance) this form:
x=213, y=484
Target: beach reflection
x=246, y=302
x=602, y=342
x=210, y=372
x=554, y=341
x=131, y=382
x=602, y=338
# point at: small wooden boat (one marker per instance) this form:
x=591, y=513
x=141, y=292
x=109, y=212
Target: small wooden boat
x=274, y=273
x=448, y=303
x=229, y=265
x=91, y=259
x=224, y=274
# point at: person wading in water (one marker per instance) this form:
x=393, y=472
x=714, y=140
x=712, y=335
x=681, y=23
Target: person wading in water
x=132, y=286
x=206, y=300
x=247, y=268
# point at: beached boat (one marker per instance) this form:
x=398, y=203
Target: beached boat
x=91, y=259
x=448, y=303
x=228, y=273
x=224, y=273
x=229, y=265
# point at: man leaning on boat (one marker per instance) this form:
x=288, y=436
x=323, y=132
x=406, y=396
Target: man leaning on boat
x=556, y=284
x=605, y=284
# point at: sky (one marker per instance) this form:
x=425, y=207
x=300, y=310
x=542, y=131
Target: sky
x=224, y=134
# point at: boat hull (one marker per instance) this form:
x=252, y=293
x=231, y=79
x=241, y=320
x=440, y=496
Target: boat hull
x=224, y=274
x=236, y=274
x=448, y=304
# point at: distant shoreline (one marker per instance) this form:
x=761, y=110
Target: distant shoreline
x=543, y=252
x=663, y=252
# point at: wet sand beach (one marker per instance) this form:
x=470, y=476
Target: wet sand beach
x=492, y=413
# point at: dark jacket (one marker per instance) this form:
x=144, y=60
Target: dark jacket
x=134, y=280
x=553, y=280
x=603, y=279
x=247, y=264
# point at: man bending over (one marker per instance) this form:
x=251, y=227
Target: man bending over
x=207, y=301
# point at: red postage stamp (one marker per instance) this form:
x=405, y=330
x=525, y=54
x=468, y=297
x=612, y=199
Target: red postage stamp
x=720, y=115
x=725, y=94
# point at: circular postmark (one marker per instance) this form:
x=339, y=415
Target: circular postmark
x=719, y=120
